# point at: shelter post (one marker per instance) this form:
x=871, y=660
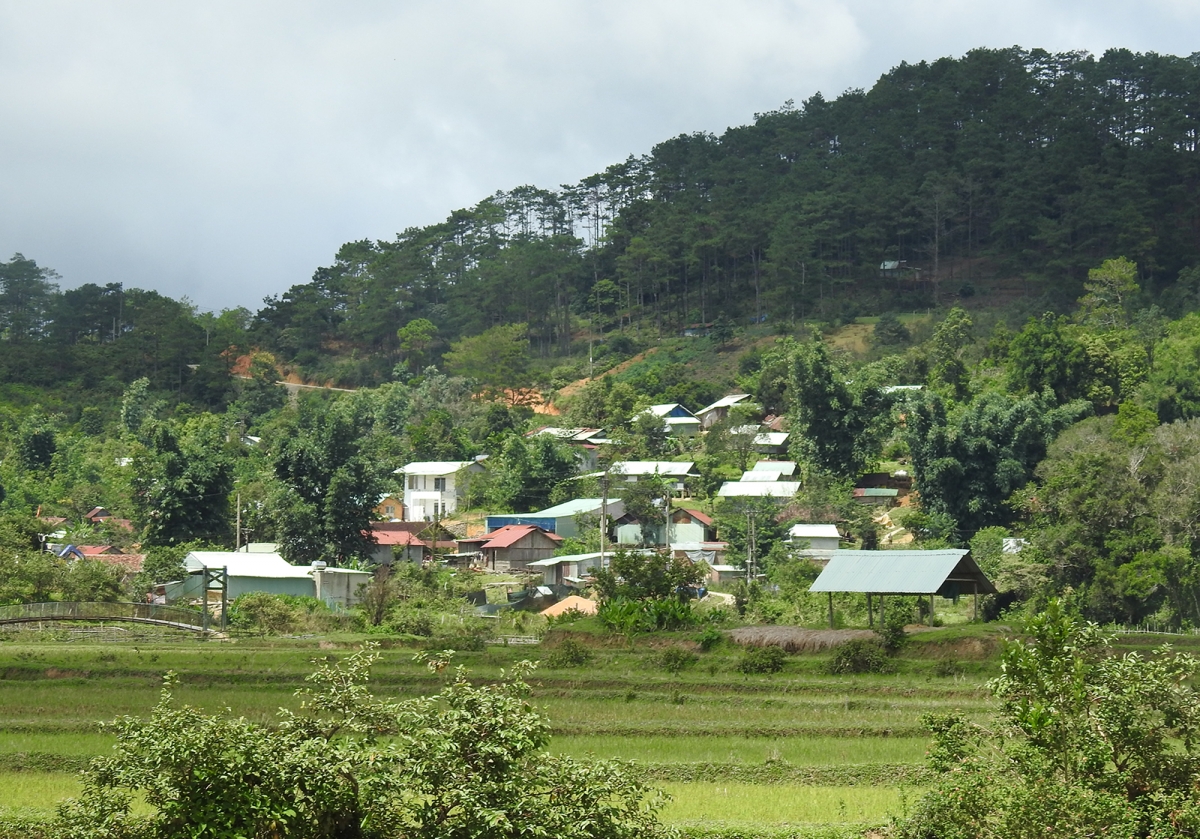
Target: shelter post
x=870, y=614
x=931, y=608
x=831, y=610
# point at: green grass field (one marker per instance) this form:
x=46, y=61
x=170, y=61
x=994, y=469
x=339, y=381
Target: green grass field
x=795, y=748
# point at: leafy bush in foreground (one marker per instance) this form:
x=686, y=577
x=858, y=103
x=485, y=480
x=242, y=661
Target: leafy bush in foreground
x=1086, y=744
x=468, y=762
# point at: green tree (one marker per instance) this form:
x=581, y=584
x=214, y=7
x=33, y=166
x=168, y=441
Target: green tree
x=889, y=331
x=183, y=477
x=26, y=292
x=470, y=761
x=497, y=359
x=417, y=338
x=328, y=479
x=840, y=418
x=968, y=460
x=1086, y=743
x=36, y=442
x=946, y=366
x=647, y=576
x=1110, y=288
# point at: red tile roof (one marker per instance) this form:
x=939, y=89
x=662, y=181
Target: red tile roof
x=698, y=516
x=399, y=537
x=96, y=550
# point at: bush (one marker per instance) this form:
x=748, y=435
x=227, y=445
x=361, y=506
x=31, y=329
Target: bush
x=463, y=642
x=762, y=660
x=280, y=614
x=709, y=639
x=676, y=659
x=410, y=622
x=891, y=631
x=569, y=653
x=860, y=656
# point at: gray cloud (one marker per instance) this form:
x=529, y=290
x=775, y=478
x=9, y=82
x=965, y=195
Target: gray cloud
x=224, y=150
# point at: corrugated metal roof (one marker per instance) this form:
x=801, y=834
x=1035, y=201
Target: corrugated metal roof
x=435, y=467
x=761, y=489
x=246, y=564
x=510, y=534
x=814, y=531
x=761, y=475
x=652, y=467
x=875, y=492
x=787, y=467
x=724, y=402
x=902, y=572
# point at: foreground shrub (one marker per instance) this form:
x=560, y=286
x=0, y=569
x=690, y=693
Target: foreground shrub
x=860, y=655
x=710, y=639
x=470, y=761
x=1086, y=743
x=762, y=660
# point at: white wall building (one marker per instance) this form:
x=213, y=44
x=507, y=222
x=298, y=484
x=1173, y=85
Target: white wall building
x=432, y=489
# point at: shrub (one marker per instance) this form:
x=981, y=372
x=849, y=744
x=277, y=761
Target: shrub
x=463, y=642
x=569, y=653
x=860, y=656
x=676, y=659
x=280, y=614
x=709, y=639
x=891, y=631
x=762, y=660
x=411, y=622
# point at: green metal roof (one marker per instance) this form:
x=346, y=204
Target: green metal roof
x=947, y=572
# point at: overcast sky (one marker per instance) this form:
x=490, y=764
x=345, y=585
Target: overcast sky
x=224, y=150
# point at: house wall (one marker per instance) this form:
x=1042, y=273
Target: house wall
x=631, y=534
x=340, y=588
x=295, y=586
x=533, y=547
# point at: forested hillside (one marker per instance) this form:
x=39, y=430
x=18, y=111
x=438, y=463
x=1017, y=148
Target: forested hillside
x=1018, y=233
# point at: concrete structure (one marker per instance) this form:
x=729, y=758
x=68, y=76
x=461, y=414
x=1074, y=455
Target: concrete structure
x=875, y=496
x=686, y=526
x=786, y=468
x=390, y=507
x=272, y=574
x=815, y=541
x=432, y=489
x=585, y=441
x=565, y=519
x=512, y=547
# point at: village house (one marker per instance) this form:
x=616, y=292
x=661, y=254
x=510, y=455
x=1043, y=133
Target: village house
x=678, y=421
x=686, y=526
x=585, y=441
x=710, y=415
x=433, y=489
x=390, y=507
x=409, y=541
x=511, y=548
x=672, y=472
x=815, y=541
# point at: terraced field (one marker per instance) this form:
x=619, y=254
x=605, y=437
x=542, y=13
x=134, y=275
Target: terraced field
x=799, y=751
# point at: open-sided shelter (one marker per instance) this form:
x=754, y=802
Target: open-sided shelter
x=948, y=572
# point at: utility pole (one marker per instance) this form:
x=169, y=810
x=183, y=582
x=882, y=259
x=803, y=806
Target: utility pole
x=237, y=537
x=603, y=512
x=667, y=516
x=749, y=546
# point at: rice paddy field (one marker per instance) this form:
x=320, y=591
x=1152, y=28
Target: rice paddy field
x=799, y=752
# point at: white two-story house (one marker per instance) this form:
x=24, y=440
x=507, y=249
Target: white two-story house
x=432, y=489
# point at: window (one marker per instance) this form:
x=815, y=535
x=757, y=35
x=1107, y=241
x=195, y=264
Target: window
x=439, y=484
x=412, y=481
x=389, y=510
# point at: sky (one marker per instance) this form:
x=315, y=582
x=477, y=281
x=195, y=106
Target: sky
x=223, y=151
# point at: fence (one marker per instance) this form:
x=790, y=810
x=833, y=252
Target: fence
x=192, y=619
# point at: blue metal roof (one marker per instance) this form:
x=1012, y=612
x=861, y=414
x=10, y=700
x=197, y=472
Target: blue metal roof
x=948, y=572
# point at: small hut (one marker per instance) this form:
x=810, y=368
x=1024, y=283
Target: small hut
x=949, y=573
